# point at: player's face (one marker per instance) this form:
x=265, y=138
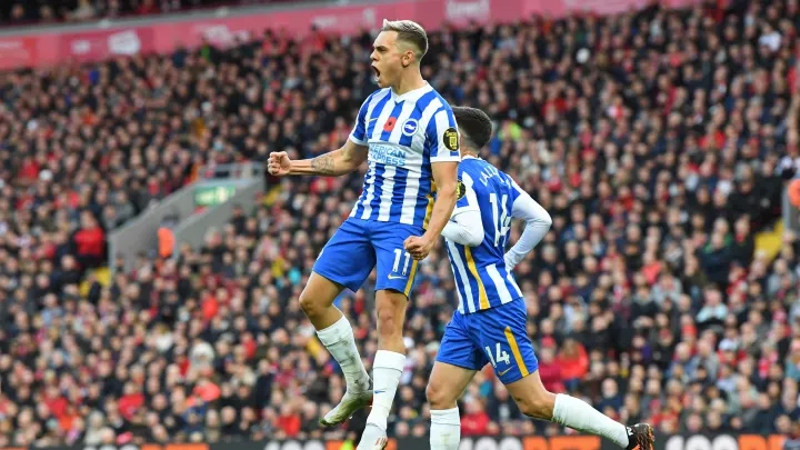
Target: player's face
x=386, y=59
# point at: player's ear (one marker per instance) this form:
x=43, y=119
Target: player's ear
x=407, y=58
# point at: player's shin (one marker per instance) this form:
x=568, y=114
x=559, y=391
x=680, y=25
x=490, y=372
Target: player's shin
x=386, y=371
x=339, y=340
x=445, y=429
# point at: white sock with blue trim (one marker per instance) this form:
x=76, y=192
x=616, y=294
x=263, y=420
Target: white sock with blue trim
x=339, y=340
x=445, y=429
x=386, y=372
x=581, y=416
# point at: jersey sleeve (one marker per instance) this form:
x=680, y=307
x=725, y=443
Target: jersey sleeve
x=442, y=138
x=359, y=133
x=467, y=198
x=465, y=226
x=537, y=223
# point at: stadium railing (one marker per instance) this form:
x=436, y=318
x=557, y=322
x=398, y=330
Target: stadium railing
x=190, y=211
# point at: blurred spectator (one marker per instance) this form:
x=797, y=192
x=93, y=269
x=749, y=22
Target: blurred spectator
x=89, y=242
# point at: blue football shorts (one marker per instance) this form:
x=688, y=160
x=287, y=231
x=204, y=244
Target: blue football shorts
x=360, y=245
x=496, y=336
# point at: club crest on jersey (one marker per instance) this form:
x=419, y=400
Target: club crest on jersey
x=461, y=190
x=410, y=127
x=450, y=139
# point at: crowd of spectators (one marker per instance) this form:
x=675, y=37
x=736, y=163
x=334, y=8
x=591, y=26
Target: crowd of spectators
x=659, y=142
x=23, y=12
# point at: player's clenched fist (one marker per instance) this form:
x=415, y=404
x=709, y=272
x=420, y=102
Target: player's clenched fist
x=279, y=164
x=418, y=247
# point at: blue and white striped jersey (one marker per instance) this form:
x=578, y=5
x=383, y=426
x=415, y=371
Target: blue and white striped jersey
x=480, y=272
x=405, y=135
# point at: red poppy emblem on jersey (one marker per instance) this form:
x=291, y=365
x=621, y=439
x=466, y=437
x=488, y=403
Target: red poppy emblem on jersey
x=389, y=125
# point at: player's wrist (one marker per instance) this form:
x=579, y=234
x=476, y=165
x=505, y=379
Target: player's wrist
x=432, y=235
x=296, y=167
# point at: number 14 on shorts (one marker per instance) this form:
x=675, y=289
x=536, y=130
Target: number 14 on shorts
x=501, y=356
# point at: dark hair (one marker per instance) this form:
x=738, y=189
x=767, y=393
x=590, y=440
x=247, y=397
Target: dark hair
x=409, y=31
x=474, y=125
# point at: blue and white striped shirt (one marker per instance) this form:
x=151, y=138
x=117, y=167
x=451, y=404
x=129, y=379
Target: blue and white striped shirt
x=405, y=135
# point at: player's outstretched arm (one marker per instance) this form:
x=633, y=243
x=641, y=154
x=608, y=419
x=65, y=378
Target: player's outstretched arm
x=537, y=223
x=336, y=163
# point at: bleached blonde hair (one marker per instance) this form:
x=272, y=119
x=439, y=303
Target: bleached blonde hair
x=410, y=32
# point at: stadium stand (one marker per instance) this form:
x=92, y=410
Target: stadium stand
x=17, y=12
x=659, y=141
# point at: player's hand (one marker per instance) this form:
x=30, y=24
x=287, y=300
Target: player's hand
x=419, y=247
x=279, y=164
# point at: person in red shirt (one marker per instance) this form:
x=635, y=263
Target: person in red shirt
x=289, y=421
x=550, y=371
x=475, y=421
x=89, y=242
x=131, y=400
x=574, y=362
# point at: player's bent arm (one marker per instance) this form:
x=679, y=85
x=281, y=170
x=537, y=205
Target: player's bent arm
x=466, y=225
x=537, y=223
x=445, y=175
x=465, y=228
x=336, y=163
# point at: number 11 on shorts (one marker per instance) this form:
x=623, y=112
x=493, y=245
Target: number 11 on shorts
x=405, y=256
x=501, y=356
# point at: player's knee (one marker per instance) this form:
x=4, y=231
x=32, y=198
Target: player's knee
x=537, y=404
x=439, y=396
x=389, y=322
x=310, y=305
x=390, y=311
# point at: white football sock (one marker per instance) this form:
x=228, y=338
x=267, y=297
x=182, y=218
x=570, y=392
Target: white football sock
x=579, y=415
x=445, y=429
x=386, y=372
x=339, y=340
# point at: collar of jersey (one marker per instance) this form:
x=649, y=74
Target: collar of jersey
x=412, y=95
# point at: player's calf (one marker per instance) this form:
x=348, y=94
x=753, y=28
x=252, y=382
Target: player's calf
x=387, y=368
x=390, y=311
x=390, y=358
x=537, y=402
x=336, y=334
x=445, y=386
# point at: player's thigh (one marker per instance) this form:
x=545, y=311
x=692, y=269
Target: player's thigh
x=395, y=268
x=348, y=258
x=503, y=336
x=456, y=363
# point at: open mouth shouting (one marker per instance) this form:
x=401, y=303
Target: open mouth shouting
x=377, y=73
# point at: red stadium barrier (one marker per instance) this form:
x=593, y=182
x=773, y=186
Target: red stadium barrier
x=52, y=48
